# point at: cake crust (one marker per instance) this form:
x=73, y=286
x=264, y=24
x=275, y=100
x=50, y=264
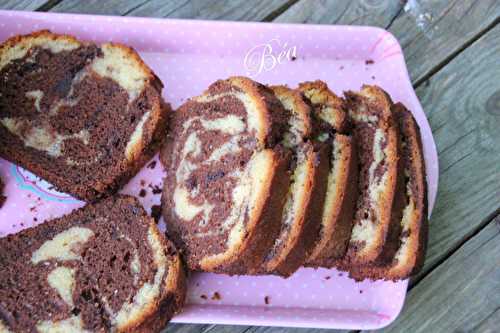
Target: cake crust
x=48, y=78
x=329, y=109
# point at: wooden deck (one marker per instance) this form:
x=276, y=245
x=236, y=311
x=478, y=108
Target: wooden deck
x=454, y=65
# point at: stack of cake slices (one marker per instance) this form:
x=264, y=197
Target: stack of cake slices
x=86, y=118
x=265, y=180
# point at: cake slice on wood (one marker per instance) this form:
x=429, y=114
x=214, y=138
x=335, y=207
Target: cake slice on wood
x=227, y=176
x=301, y=216
x=84, y=117
x=341, y=194
x=102, y=268
x=376, y=133
x=411, y=243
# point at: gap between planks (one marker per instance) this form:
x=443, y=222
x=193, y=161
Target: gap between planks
x=48, y=5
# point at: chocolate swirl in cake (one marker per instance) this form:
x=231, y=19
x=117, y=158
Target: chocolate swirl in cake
x=301, y=217
x=104, y=267
x=376, y=132
x=82, y=116
x=406, y=252
x=227, y=177
x=341, y=193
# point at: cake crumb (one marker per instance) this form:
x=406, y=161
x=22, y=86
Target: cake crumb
x=369, y=62
x=156, y=212
x=373, y=77
x=152, y=165
x=143, y=182
x=216, y=296
x=360, y=291
x=340, y=274
x=203, y=296
x=142, y=193
x=341, y=68
x=328, y=277
x=267, y=300
x=293, y=58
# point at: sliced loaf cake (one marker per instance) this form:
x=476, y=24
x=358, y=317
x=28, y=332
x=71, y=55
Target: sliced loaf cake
x=412, y=240
x=301, y=217
x=84, y=117
x=227, y=176
x=102, y=268
x=376, y=133
x=340, y=198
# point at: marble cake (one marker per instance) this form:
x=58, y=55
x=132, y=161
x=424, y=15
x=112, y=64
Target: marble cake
x=227, y=176
x=102, y=268
x=84, y=117
x=411, y=242
x=301, y=217
x=340, y=198
x=378, y=209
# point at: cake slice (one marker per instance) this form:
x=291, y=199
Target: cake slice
x=337, y=211
x=301, y=217
x=411, y=242
x=227, y=176
x=102, y=268
x=376, y=133
x=84, y=117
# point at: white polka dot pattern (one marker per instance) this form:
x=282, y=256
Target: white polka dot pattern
x=188, y=56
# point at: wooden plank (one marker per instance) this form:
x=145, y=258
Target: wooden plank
x=449, y=27
x=111, y=7
x=187, y=328
x=461, y=102
x=240, y=10
x=359, y=12
x=23, y=4
x=461, y=294
x=490, y=324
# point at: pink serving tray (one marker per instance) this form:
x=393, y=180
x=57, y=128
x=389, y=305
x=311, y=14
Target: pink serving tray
x=188, y=56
